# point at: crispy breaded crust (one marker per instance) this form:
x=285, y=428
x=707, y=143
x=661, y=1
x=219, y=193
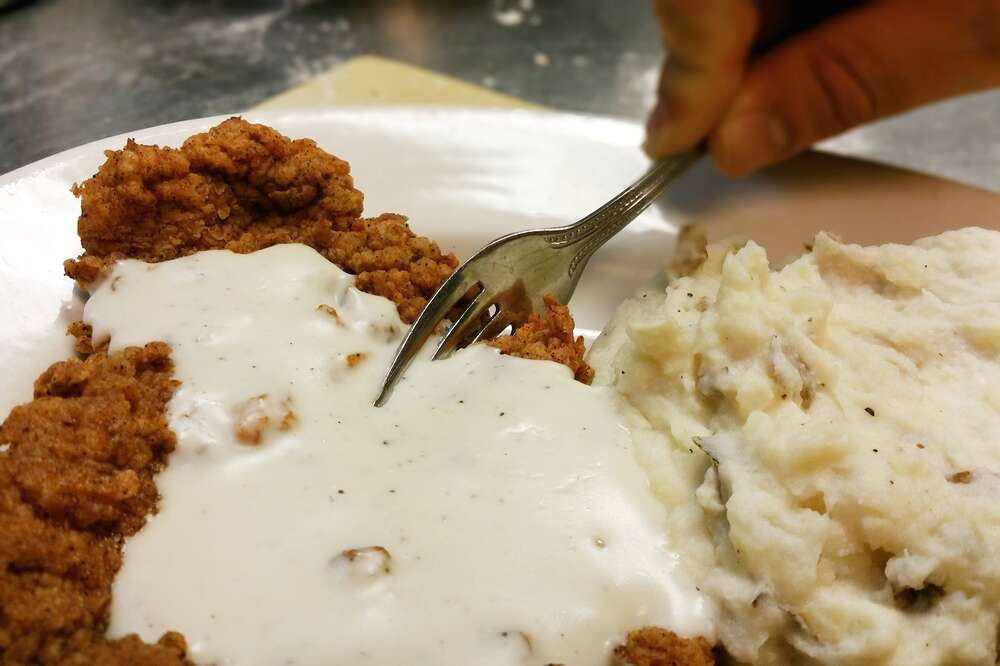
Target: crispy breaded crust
x=83, y=336
x=652, y=646
x=170, y=650
x=244, y=187
x=75, y=479
x=548, y=338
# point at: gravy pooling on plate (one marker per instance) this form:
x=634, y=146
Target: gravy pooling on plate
x=491, y=513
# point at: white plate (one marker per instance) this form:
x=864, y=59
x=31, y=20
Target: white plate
x=465, y=176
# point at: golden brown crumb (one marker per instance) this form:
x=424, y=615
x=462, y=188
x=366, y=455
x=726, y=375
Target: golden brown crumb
x=330, y=310
x=965, y=476
x=377, y=553
x=548, y=338
x=355, y=358
x=83, y=334
x=245, y=187
x=353, y=553
x=170, y=650
x=76, y=477
x=256, y=415
x=652, y=646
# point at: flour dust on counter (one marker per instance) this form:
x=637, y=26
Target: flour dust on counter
x=492, y=512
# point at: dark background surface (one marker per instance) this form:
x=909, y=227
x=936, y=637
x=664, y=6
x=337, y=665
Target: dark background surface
x=73, y=70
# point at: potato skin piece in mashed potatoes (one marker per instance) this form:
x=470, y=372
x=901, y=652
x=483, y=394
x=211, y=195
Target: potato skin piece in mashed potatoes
x=827, y=438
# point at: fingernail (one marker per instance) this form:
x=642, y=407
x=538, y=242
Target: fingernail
x=752, y=140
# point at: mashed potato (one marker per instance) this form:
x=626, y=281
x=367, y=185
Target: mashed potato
x=827, y=438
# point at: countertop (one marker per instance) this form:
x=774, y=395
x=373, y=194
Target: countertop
x=72, y=70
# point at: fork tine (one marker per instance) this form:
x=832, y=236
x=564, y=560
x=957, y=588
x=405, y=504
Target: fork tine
x=463, y=325
x=443, y=300
x=493, y=327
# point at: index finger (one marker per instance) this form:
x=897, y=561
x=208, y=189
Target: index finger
x=707, y=44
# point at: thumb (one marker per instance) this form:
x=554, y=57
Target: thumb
x=873, y=61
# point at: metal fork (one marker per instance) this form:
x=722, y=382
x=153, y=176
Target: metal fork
x=515, y=272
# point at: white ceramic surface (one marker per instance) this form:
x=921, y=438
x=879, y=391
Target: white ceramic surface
x=465, y=176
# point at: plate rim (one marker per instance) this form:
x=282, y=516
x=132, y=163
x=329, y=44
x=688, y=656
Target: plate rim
x=624, y=128
x=624, y=131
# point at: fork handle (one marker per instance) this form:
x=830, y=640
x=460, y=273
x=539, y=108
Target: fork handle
x=596, y=229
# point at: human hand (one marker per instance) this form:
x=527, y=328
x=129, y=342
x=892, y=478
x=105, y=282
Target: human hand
x=733, y=77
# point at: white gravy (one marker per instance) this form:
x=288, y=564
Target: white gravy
x=491, y=513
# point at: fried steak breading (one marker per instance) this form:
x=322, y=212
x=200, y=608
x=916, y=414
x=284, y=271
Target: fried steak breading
x=244, y=187
x=76, y=478
x=548, y=338
x=653, y=646
x=170, y=650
